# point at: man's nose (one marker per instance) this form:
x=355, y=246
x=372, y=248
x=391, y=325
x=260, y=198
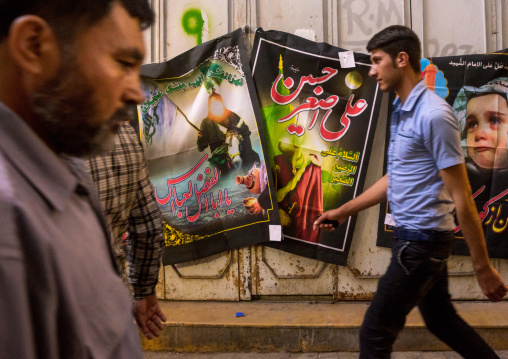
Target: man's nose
x=133, y=92
x=372, y=71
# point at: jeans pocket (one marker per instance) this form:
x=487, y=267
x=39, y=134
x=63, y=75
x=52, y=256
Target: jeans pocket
x=420, y=258
x=399, y=258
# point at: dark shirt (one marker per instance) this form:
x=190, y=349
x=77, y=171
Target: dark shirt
x=127, y=196
x=61, y=296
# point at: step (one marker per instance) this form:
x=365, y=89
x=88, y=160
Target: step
x=201, y=326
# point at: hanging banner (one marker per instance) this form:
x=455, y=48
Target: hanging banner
x=205, y=151
x=477, y=88
x=319, y=109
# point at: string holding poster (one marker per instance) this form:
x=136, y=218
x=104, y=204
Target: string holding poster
x=476, y=86
x=204, y=143
x=319, y=117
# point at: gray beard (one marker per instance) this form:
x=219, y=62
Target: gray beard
x=65, y=112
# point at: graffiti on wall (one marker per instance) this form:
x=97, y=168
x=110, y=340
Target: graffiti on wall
x=195, y=23
x=363, y=18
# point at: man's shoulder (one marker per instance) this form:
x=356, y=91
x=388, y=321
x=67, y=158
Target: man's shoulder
x=18, y=194
x=431, y=98
x=7, y=189
x=129, y=140
x=127, y=150
x=9, y=243
x=433, y=106
x=127, y=130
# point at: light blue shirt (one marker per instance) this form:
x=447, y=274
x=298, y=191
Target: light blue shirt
x=424, y=138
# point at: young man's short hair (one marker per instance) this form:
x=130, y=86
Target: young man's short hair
x=67, y=17
x=395, y=39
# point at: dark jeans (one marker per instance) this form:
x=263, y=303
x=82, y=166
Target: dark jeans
x=417, y=276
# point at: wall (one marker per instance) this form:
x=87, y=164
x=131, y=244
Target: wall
x=451, y=27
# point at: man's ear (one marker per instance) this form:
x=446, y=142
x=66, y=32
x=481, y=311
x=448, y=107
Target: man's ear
x=402, y=59
x=33, y=46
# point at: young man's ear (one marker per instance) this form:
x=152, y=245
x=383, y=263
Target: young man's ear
x=402, y=59
x=33, y=46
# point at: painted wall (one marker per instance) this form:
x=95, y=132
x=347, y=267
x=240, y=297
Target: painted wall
x=451, y=27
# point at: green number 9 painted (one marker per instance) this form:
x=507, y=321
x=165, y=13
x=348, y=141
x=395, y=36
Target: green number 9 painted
x=192, y=23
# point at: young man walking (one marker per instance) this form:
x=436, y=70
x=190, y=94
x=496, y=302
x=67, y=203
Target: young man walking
x=426, y=182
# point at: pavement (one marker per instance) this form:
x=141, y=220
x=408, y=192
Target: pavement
x=299, y=330
x=503, y=354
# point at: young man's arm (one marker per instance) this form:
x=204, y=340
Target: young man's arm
x=373, y=195
x=457, y=184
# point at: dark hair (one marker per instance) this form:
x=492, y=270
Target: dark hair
x=395, y=39
x=67, y=17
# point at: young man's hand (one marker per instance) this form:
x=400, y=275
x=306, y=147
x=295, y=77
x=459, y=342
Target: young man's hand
x=330, y=220
x=491, y=284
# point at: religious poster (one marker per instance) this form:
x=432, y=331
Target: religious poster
x=319, y=109
x=204, y=143
x=476, y=86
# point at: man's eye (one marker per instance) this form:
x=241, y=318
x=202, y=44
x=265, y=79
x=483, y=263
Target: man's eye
x=125, y=63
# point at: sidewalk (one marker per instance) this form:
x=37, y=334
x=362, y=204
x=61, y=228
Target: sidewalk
x=503, y=354
x=286, y=329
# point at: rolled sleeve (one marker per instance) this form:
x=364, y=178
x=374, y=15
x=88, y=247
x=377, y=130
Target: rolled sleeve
x=442, y=138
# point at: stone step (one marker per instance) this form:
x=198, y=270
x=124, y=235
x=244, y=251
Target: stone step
x=200, y=326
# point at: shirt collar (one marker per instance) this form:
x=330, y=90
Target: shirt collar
x=411, y=99
x=42, y=168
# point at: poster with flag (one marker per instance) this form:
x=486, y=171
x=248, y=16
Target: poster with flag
x=204, y=144
x=476, y=86
x=319, y=109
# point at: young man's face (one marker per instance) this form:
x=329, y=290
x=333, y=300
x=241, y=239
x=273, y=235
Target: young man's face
x=384, y=70
x=487, y=128
x=81, y=108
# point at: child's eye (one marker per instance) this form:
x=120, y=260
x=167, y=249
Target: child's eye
x=471, y=124
x=495, y=120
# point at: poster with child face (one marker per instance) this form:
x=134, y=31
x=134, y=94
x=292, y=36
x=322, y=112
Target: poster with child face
x=476, y=86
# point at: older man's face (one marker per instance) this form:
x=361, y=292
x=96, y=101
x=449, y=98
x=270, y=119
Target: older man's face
x=81, y=108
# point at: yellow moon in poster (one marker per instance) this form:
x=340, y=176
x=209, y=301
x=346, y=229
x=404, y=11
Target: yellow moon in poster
x=353, y=80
